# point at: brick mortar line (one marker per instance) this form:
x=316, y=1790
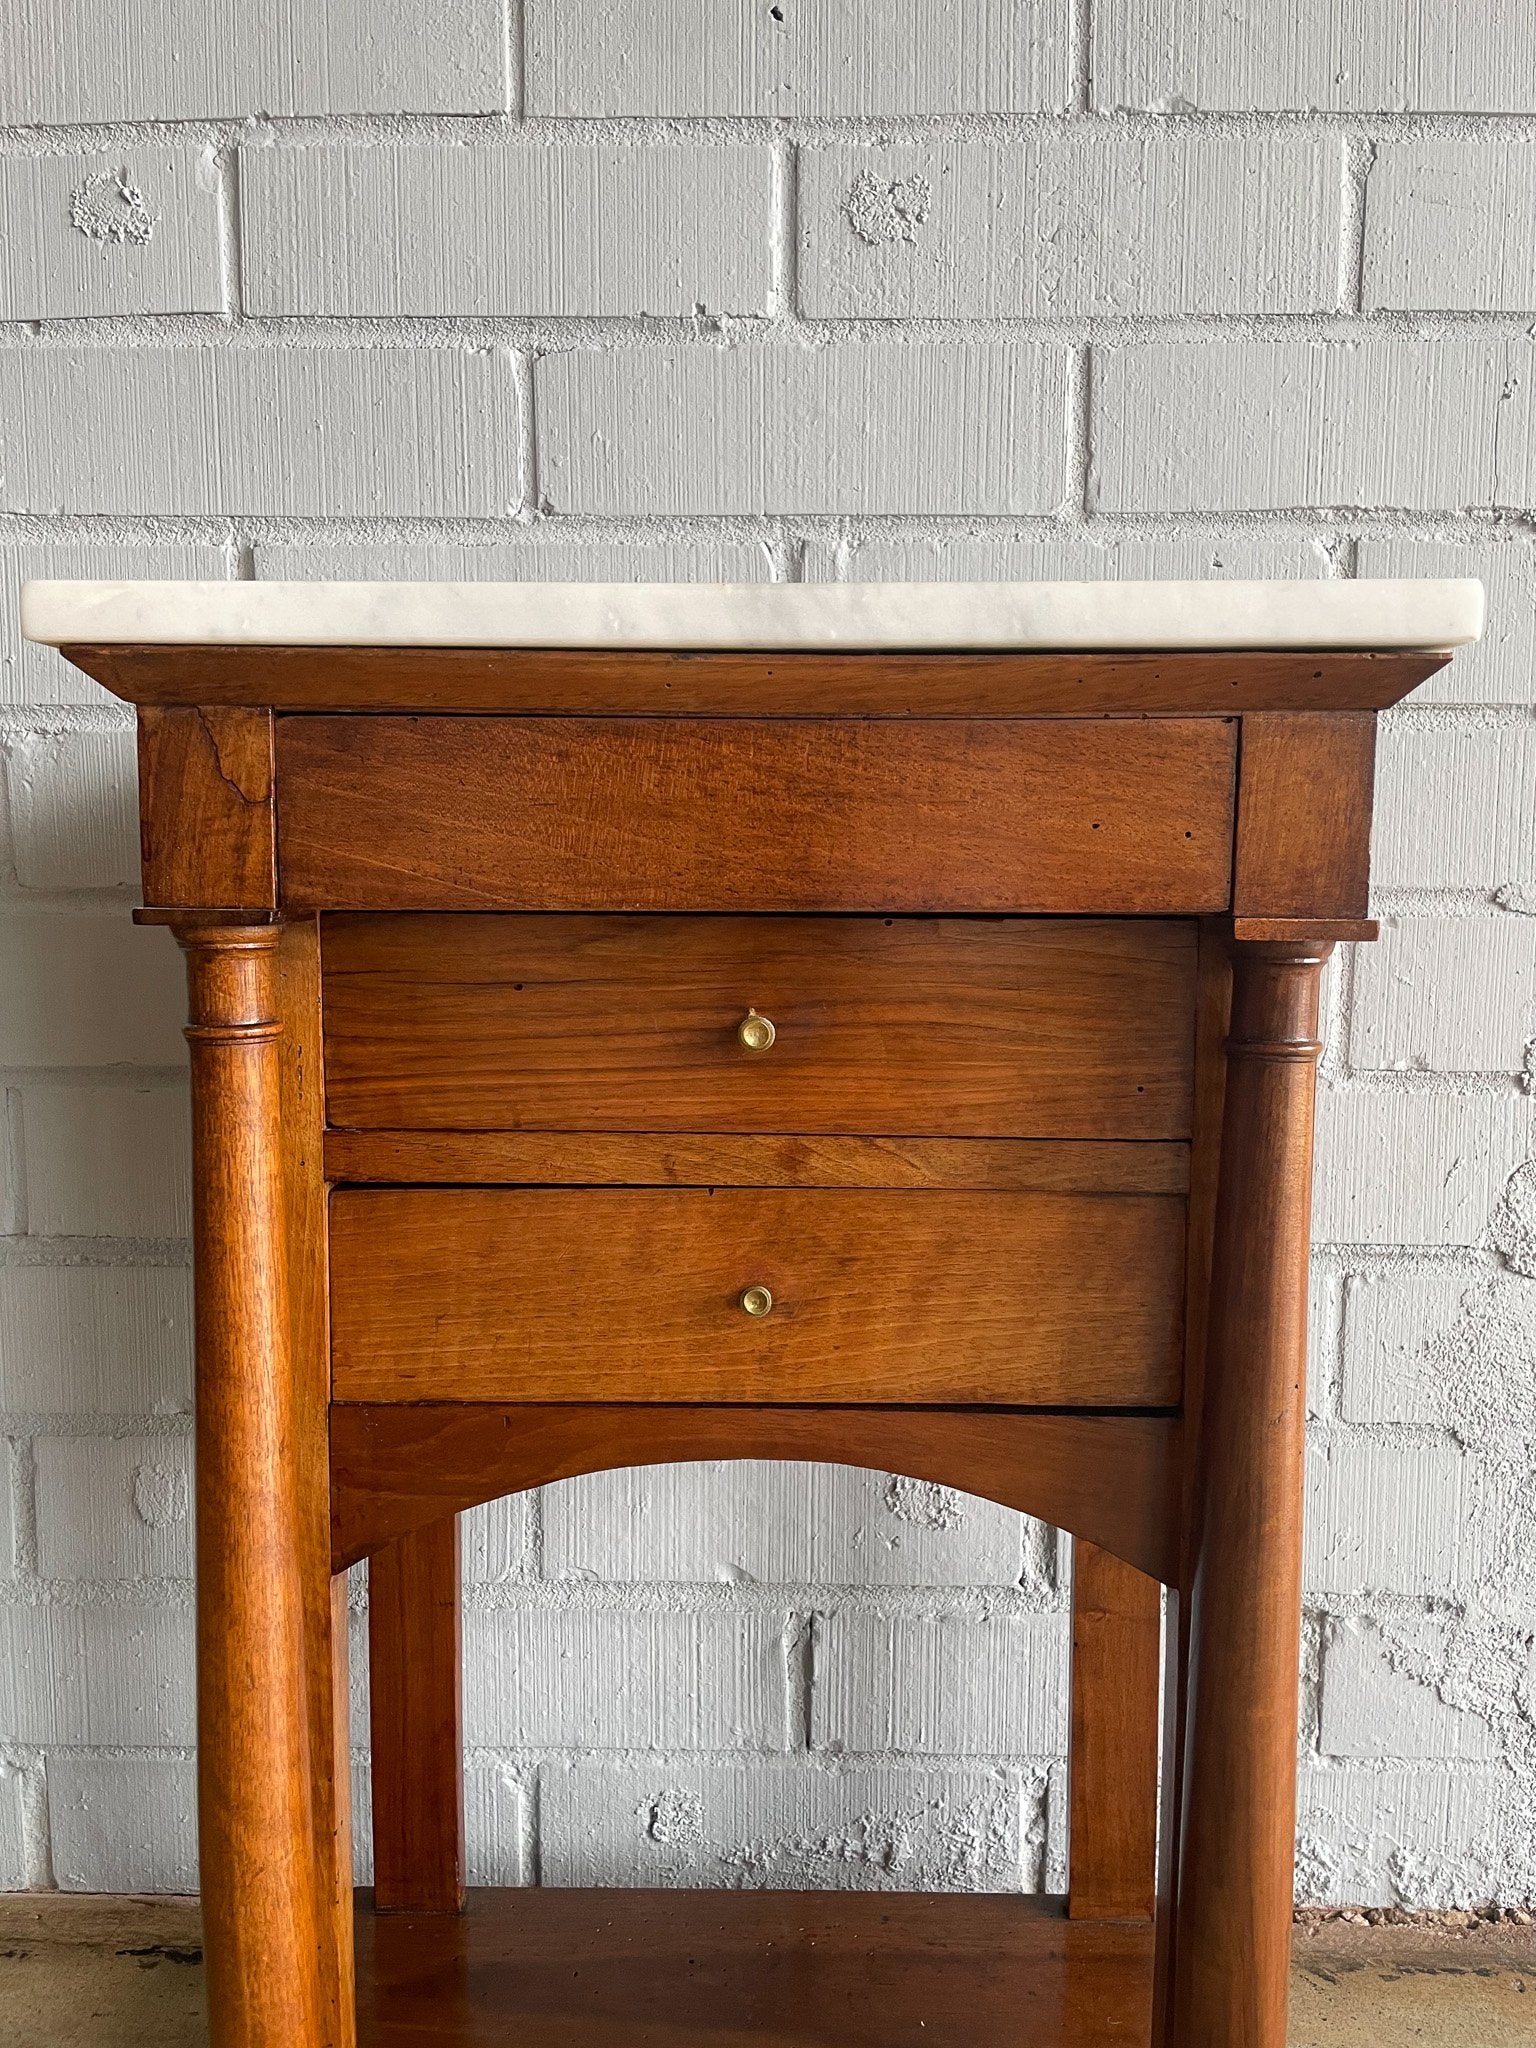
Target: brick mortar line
x=844, y=130
x=545, y=333
x=1497, y=526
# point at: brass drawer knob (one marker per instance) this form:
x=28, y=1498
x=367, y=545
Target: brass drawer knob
x=756, y=1301
x=756, y=1033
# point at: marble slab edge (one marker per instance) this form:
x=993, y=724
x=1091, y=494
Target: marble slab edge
x=1379, y=614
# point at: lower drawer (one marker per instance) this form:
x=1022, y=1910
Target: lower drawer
x=631, y=1294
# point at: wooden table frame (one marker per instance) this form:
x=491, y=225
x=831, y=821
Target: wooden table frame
x=1203, y=1501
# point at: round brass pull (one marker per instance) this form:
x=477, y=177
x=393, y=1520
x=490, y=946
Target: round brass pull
x=756, y=1301
x=756, y=1033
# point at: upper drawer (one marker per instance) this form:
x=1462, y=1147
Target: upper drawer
x=946, y=1027
x=1006, y=814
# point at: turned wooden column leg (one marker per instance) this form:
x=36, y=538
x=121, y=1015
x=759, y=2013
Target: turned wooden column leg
x=262, y=1930
x=1237, y=1846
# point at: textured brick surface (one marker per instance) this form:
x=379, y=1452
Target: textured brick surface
x=123, y=1824
x=114, y=1507
x=105, y=1340
x=429, y=228
x=1415, y=1168
x=135, y=232
x=1376, y=1704
x=1392, y=1322
x=87, y=990
x=1270, y=425
x=74, y=813
x=975, y=426
x=1446, y=995
x=529, y=561
x=1071, y=224
x=990, y=558
x=13, y=1841
x=1454, y=806
x=107, y=1161
x=1417, y=1517
x=735, y=57
x=782, y=1524
x=940, y=1685
x=120, y=1673
x=88, y=60
x=612, y=1680
x=1451, y=224
x=767, y=1827
x=190, y=430
x=1421, y=1838
x=1501, y=668
x=1349, y=55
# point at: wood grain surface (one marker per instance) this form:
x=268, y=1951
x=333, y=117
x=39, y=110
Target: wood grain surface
x=415, y=1709
x=642, y=1969
x=642, y=1159
x=501, y=1294
x=1080, y=815
x=590, y=681
x=267, y=1902
x=302, y=1119
x=207, y=834
x=1304, y=816
x=1113, y=1479
x=1237, y=1844
x=1117, y=1628
x=1016, y=1027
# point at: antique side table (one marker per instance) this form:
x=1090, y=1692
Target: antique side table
x=858, y=1023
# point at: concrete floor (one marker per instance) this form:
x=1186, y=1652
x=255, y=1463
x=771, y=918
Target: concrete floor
x=120, y=1973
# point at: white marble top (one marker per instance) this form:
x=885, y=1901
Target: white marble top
x=1317, y=614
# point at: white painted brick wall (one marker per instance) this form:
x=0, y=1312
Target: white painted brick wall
x=1416, y=1517
x=115, y=1673
x=106, y=1159
x=820, y=292
x=825, y=1525
x=191, y=430
x=114, y=1507
x=123, y=1824
x=1415, y=1167
x=969, y=426
x=799, y=57
x=1422, y=1839
x=1348, y=55
x=96, y=1340
x=1276, y=425
x=136, y=231
x=73, y=805
x=430, y=228
x=1451, y=224
x=90, y=60
x=940, y=1684
x=573, y=1677
x=1373, y=1707
x=764, y=1826
x=1071, y=224
x=1393, y=1318
x=1446, y=996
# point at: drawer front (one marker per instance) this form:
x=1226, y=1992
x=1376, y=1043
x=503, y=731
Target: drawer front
x=1036, y=815
x=640, y=1294
x=943, y=1027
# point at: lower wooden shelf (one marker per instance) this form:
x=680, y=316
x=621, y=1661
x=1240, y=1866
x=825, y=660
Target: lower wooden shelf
x=684, y=1969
